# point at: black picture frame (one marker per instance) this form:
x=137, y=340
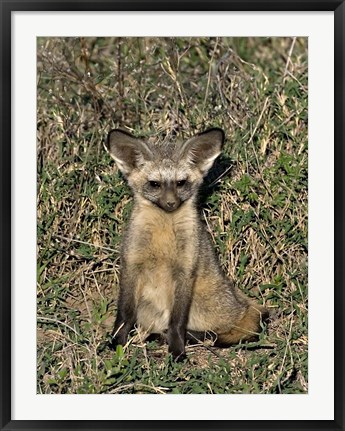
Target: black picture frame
x=6, y=8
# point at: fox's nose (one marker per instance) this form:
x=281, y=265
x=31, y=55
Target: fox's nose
x=170, y=200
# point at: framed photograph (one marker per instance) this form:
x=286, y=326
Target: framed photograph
x=172, y=215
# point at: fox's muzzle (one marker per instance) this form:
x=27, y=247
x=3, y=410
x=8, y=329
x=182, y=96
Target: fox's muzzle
x=169, y=200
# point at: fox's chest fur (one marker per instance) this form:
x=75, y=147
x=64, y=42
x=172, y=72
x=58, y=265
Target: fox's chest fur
x=159, y=247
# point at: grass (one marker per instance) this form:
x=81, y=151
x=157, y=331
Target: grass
x=256, y=90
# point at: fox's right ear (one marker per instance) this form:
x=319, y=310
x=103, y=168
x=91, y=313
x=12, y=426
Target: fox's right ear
x=128, y=151
x=204, y=148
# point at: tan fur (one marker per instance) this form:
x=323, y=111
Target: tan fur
x=156, y=251
x=246, y=329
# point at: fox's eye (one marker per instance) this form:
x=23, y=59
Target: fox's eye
x=181, y=183
x=155, y=184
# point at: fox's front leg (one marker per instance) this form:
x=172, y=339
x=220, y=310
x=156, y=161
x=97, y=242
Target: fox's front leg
x=180, y=314
x=126, y=311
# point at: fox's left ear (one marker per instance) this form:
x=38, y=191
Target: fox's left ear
x=128, y=151
x=203, y=149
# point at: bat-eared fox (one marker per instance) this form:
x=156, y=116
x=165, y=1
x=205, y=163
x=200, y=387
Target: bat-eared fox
x=171, y=282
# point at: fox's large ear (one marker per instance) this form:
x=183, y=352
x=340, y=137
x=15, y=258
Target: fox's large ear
x=204, y=148
x=128, y=151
